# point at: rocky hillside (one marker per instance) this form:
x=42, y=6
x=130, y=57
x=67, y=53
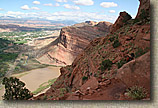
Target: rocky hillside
x=113, y=67
x=72, y=40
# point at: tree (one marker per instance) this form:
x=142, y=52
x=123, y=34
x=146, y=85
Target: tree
x=15, y=90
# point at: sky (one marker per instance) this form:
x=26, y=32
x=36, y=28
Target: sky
x=77, y=10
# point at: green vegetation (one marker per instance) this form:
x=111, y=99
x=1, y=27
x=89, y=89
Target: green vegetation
x=140, y=52
x=112, y=39
x=84, y=78
x=22, y=37
x=3, y=69
x=62, y=92
x=8, y=57
x=106, y=64
x=4, y=43
x=21, y=42
x=20, y=75
x=69, y=74
x=10, y=41
x=136, y=92
x=27, y=65
x=15, y=90
x=5, y=58
x=121, y=63
x=126, y=18
x=136, y=21
x=116, y=43
x=144, y=15
x=44, y=86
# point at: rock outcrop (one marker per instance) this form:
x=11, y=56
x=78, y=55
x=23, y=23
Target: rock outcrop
x=121, y=20
x=136, y=72
x=72, y=40
x=144, y=6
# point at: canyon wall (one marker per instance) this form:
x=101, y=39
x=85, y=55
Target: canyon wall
x=72, y=40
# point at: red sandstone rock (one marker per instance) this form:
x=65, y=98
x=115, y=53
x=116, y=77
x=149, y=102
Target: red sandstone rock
x=92, y=83
x=144, y=4
x=86, y=72
x=120, y=22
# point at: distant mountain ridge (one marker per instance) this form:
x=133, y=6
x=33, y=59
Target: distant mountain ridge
x=43, y=21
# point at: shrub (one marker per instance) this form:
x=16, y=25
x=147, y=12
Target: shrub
x=121, y=63
x=14, y=89
x=69, y=74
x=136, y=20
x=3, y=69
x=84, y=78
x=136, y=92
x=112, y=39
x=116, y=43
x=126, y=18
x=96, y=75
x=140, y=52
x=144, y=15
x=62, y=92
x=44, y=86
x=106, y=64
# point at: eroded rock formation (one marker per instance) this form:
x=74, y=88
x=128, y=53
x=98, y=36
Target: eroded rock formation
x=72, y=40
x=121, y=20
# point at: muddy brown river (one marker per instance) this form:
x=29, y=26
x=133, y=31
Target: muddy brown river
x=36, y=77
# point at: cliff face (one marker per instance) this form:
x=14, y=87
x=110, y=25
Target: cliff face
x=109, y=67
x=121, y=20
x=144, y=6
x=72, y=41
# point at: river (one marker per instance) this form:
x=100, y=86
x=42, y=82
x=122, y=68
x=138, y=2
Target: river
x=36, y=77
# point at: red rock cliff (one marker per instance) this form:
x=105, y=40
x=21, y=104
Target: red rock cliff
x=108, y=67
x=121, y=20
x=144, y=5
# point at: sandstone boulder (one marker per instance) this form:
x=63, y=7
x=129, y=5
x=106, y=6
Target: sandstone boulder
x=92, y=83
x=121, y=20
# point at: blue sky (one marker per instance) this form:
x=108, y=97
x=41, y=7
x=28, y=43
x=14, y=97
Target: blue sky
x=78, y=10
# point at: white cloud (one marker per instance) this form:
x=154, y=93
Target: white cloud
x=61, y=0
x=14, y=14
x=35, y=8
x=20, y=14
x=84, y=2
x=57, y=4
x=36, y=2
x=108, y=4
x=71, y=7
x=77, y=16
x=112, y=11
x=49, y=4
x=25, y=7
x=80, y=16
